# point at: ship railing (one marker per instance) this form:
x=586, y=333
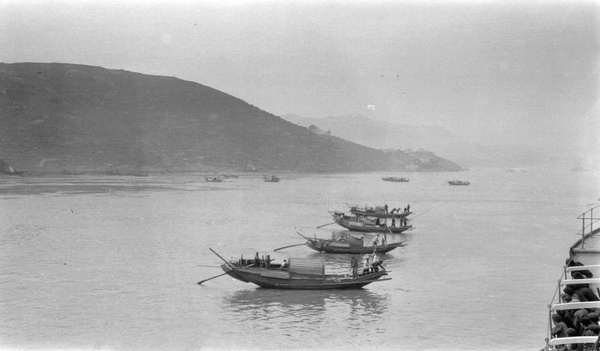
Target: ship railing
x=573, y=340
x=588, y=217
x=558, y=304
x=580, y=281
x=550, y=343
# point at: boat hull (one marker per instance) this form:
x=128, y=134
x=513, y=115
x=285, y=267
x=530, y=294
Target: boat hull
x=398, y=180
x=458, y=182
x=358, y=226
x=332, y=247
x=378, y=214
x=280, y=279
x=213, y=179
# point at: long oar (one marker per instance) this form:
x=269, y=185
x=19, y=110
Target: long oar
x=326, y=224
x=285, y=247
x=224, y=260
x=216, y=276
x=303, y=236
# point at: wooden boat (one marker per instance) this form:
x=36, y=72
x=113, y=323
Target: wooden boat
x=582, y=268
x=379, y=212
x=458, y=182
x=271, y=178
x=300, y=274
x=363, y=224
x=214, y=179
x=348, y=243
x=395, y=179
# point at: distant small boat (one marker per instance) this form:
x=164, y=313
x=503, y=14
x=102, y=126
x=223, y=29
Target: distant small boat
x=213, y=179
x=271, y=178
x=395, y=179
x=300, y=274
x=458, y=182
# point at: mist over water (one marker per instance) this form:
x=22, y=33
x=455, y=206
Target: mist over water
x=112, y=262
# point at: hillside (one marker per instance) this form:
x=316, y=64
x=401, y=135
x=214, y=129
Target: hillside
x=63, y=116
x=384, y=135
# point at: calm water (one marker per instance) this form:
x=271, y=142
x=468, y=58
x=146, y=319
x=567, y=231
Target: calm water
x=112, y=262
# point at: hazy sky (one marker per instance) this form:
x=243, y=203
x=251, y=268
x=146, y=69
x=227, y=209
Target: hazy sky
x=490, y=71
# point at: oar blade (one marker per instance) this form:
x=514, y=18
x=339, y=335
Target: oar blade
x=326, y=224
x=205, y=280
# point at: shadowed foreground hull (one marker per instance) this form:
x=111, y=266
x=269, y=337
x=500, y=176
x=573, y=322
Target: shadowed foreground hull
x=283, y=279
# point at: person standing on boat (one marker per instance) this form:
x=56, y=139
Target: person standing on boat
x=366, y=266
x=377, y=262
x=354, y=264
x=256, y=260
x=386, y=208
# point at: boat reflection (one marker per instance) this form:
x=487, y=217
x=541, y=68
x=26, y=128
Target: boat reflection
x=295, y=305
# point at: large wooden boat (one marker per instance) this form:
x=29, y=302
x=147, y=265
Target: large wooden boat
x=458, y=182
x=395, y=179
x=348, y=243
x=300, y=274
x=380, y=212
x=364, y=224
x=271, y=178
x=582, y=269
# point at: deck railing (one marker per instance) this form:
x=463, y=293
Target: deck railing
x=557, y=303
x=588, y=217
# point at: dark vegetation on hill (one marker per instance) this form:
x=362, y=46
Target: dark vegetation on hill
x=72, y=117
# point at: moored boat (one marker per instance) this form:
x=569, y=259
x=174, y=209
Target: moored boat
x=395, y=179
x=271, y=178
x=578, y=290
x=360, y=223
x=380, y=211
x=295, y=274
x=458, y=182
x=349, y=243
x=213, y=179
